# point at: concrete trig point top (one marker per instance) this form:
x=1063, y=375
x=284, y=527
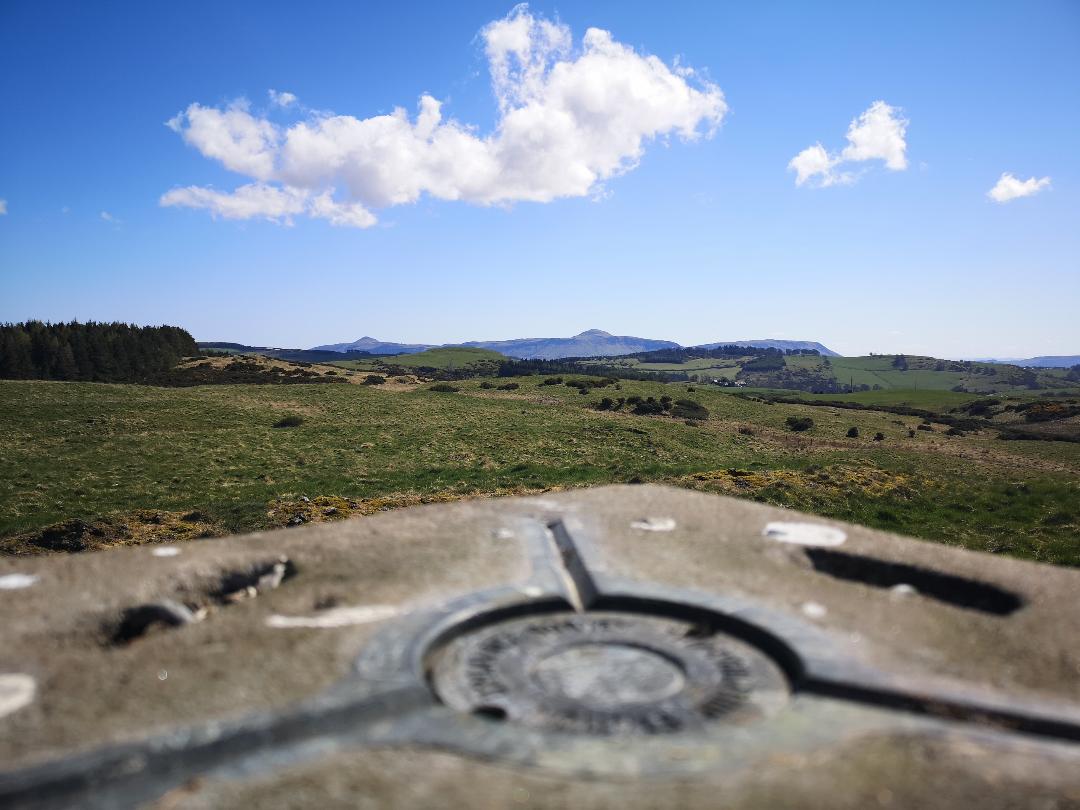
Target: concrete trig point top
x=618, y=647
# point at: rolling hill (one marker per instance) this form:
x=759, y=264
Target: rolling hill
x=773, y=344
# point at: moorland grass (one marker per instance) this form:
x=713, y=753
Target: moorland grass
x=86, y=450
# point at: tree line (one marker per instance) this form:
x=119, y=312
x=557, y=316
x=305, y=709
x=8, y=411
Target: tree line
x=96, y=352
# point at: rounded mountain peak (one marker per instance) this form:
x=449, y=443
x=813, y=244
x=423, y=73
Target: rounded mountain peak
x=594, y=333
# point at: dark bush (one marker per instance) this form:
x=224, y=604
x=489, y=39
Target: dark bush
x=926, y=427
x=799, y=423
x=292, y=420
x=688, y=409
x=509, y=387
x=487, y=385
x=444, y=388
x=853, y=432
x=330, y=373
x=879, y=437
x=745, y=431
x=954, y=432
x=552, y=381
x=648, y=407
x=374, y=379
x=911, y=433
x=606, y=404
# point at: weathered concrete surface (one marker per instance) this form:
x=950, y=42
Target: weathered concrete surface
x=314, y=692
x=90, y=692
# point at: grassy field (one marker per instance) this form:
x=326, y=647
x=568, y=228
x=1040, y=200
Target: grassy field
x=95, y=451
x=874, y=371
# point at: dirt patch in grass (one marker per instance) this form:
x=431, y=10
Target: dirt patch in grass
x=833, y=481
x=141, y=527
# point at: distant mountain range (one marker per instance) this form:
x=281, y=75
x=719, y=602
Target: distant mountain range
x=590, y=343
x=373, y=346
x=1047, y=361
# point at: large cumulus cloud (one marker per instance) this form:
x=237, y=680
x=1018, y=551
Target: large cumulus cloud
x=569, y=119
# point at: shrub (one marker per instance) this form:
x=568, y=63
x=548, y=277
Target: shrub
x=292, y=420
x=374, y=379
x=665, y=402
x=745, y=431
x=606, y=404
x=647, y=407
x=509, y=387
x=853, y=432
x=552, y=381
x=911, y=433
x=688, y=409
x=487, y=385
x=444, y=388
x=925, y=426
x=954, y=432
x=879, y=437
x=799, y=423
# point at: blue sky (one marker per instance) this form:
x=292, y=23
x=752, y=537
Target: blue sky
x=691, y=240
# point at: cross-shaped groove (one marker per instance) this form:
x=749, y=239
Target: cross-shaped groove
x=578, y=584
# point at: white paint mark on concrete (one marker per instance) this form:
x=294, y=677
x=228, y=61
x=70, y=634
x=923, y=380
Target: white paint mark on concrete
x=344, y=616
x=16, y=690
x=503, y=534
x=814, y=610
x=804, y=534
x=166, y=551
x=654, y=524
x=13, y=582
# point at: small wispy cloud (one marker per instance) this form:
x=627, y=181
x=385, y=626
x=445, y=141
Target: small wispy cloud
x=107, y=217
x=877, y=134
x=3, y=207
x=282, y=99
x=1009, y=187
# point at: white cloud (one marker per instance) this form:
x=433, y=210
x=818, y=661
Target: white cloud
x=814, y=161
x=569, y=119
x=247, y=202
x=3, y=207
x=107, y=217
x=1009, y=187
x=240, y=141
x=282, y=99
x=877, y=134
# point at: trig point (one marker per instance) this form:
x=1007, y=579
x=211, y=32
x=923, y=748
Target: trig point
x=622, y=647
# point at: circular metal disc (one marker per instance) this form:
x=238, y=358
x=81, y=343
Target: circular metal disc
x=607, y=673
